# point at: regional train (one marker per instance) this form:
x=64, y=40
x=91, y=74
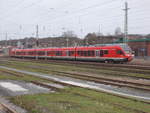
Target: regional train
x=100, y=53
x=1, y=52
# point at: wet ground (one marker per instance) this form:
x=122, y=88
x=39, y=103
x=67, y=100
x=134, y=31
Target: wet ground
x=14, y=88
x=91, y=85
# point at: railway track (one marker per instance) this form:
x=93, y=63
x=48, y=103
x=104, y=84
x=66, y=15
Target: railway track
x=6, y=109
x=120, y=83
x=106, y=64
x=88, y=96
x=65, y=84
x=101, y=66
x=117, y=67
x=87, y=78
x=107, y=81
x=98, y=64
x=102, y=80
x=115, y=71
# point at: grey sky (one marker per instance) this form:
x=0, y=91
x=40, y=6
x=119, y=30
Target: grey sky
x=19, y=17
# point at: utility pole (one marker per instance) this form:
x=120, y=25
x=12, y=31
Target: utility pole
x=99, y=31
x=126, y=22
x=6, y=39
x=10, y=42
x=37, y=36
x=37, y=42
x=67, y=39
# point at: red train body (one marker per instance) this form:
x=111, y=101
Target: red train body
x=112, y=53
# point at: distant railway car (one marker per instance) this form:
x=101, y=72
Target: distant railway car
x=1, y=52
x=107, y=53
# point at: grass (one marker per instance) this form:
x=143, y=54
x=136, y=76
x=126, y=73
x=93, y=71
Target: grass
x=49, y=68
x=78, y=100
x=72, y=99
x=21, y=77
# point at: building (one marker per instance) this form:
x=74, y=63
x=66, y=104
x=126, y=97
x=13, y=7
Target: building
x=141, y=47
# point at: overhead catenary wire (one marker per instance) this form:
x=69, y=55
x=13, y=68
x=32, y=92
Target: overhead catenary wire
x=61, y=18
x=91, y=6
x=81, y=10
x=105, y=19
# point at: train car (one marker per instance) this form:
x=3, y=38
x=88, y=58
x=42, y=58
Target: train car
x=111, y=53
x=104, y=54
x=1, y=52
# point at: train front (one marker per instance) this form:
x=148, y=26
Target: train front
x=129, y=54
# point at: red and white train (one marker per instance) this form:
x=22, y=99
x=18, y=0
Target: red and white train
x=107, y=53
x=1, y=52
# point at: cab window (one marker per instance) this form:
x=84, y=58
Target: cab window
x=105, y=52
x=119, y=52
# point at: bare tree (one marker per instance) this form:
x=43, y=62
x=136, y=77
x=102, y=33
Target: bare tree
x=69, y=34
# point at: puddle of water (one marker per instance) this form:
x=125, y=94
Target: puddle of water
x=13, y=87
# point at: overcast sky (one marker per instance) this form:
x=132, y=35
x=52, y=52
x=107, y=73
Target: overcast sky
x=19, y=17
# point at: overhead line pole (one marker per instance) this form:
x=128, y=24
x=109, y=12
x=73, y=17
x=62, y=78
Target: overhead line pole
x=99, y=29
x=37, y=42
x=37, y=35
x=126, y=22
x=6, y=39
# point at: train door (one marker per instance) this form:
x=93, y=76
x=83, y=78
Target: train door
x=101, y=53
x=67, y=53
x=97, y=53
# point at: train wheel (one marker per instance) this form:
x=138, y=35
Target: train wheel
x=110, y=61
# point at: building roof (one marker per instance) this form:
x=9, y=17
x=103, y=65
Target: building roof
x=133, y=40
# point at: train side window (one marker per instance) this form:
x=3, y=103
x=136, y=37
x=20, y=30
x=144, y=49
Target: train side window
x=58, y=53
x=71, y=53
x=119, y=52
x=90, y=53
x=97, y=52
x=31, y=53
x=22, y=53
x=84, y=53
x=41, y=52
x=67, y=53
x=18, y=53
x=101, y=53
x=50, y=53
x=80, y=53
x=105, y=52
